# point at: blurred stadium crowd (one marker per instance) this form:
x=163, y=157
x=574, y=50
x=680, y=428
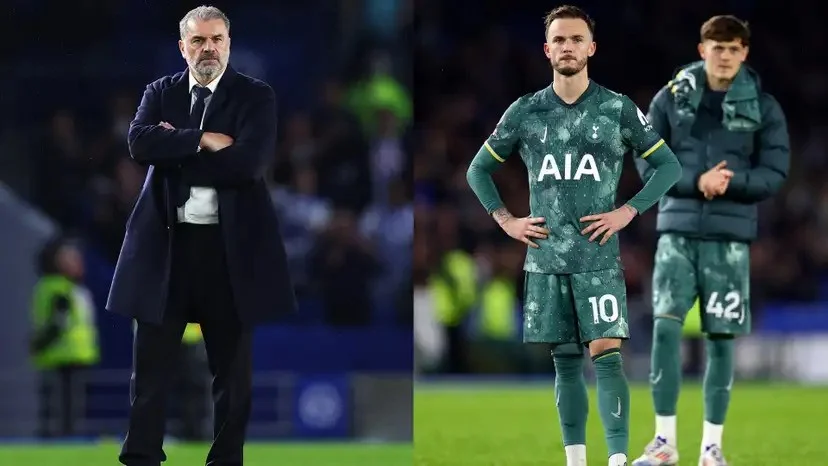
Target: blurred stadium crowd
x=341, y=173
x=475, y=58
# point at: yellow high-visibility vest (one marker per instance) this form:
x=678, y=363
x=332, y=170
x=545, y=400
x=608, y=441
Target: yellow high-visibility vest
x=192, y=334
x=454, y=288
x=497, y=310
x=78, y=343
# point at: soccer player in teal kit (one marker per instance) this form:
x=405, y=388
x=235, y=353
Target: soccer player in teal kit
x=731, y=138
x=572, y=136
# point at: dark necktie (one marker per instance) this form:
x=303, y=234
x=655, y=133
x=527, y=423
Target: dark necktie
x=197, y=112
x=196, y=115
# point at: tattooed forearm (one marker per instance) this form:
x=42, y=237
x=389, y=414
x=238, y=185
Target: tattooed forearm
x=501, y=215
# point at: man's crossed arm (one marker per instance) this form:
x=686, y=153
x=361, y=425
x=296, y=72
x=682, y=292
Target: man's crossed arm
x=228, y=162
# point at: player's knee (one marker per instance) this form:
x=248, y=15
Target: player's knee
x=603, y=345
x=606, y=359
x=666, y=329
x=569, y=361
x=719, y=337
x=568, y=350
x=569, y=368
x=719, y=346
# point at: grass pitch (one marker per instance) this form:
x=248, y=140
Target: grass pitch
x=512, y=426
x=256, y=454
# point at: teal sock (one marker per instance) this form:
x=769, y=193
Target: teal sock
x=613, y=400
x=665, y=366
x=718, y=378
x=571, y=398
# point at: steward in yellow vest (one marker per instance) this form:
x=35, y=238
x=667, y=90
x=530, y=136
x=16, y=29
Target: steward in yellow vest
x=453, y=286
x=64, y=336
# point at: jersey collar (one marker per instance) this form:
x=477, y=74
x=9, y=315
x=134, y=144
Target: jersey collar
x=585, y=95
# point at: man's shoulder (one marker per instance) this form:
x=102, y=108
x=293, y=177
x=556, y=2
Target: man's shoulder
x=606, y=93
x=608, y=102
x=167, y=81
x=247, y=85
x=664, y=97
x=526, y=104
x=768, y=104
x=537, y=98
x=253, y=86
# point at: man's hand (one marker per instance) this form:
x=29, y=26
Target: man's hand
x=215, y=141
x=166, y=125
x=608, y=223
x=521, y=229
x=714, y=182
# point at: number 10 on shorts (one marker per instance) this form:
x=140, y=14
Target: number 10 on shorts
x=604, y=308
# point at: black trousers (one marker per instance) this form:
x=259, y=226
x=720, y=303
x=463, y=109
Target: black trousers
x=60, y=393
x=199, y=291
x=457, y=361
x=189, y=403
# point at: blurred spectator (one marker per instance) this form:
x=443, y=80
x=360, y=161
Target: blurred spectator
x=387, y=154
x=341, y=157
x=304, y=214
x=377, y=89
x=495, y=328
x=389, y=226
x=63, y=170
x=429, y=333
x=64, y=340
x=344, y=265
x=452, y=284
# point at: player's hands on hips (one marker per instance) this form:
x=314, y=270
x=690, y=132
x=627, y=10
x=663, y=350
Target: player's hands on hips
x=608, y=223
x=215, y=141
x=524, y=229
x=714, y=182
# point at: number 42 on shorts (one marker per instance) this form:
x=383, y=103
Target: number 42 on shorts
x=729, y=308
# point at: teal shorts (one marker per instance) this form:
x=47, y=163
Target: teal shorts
x=575, y=308
x=715, y=272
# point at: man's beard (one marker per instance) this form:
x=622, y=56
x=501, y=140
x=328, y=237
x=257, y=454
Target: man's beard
x=208, y=70
x=570, y=69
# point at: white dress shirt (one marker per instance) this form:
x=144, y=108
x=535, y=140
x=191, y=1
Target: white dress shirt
x=202, y=206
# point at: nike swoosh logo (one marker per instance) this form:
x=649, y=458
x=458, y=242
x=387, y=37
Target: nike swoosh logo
x=617, y=414
x=655, y=380
x=730, y=385
x=545, y=129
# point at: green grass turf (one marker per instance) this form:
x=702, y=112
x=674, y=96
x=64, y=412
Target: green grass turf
x=256, y=454
x=513, y=426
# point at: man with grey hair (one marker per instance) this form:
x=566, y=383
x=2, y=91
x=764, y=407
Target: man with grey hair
x=203, y=242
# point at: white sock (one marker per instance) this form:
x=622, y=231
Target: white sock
x=666, y=428
x=575, y=455
x=711, y=435
x=618, y=459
